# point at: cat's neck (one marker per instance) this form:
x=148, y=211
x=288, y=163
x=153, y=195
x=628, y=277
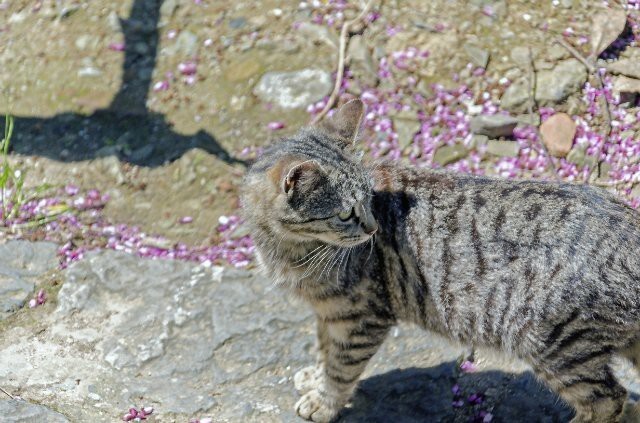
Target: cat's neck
x=301, y=267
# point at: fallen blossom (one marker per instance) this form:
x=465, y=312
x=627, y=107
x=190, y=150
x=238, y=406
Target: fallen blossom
x=161, y=86
x=187, y=68
x=274, y=126
x=457, y=403
x=116, y=46
x=136, y=415
x=475, y=399
x=185, y=220
x=456, y=389
x=468, y=366
x=39, y=299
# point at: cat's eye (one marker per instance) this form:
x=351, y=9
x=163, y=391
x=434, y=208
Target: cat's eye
x=345, y=214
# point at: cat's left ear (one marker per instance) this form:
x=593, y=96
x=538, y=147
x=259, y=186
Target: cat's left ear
x=346, y=122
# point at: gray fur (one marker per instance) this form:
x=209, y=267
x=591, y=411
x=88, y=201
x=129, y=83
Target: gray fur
x=546, y=272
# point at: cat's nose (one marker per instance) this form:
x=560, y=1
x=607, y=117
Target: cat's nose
x=370, y=227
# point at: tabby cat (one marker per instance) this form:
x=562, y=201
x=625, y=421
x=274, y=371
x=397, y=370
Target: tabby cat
x=546, y=272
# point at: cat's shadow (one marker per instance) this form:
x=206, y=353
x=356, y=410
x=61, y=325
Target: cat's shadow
x=425, y=395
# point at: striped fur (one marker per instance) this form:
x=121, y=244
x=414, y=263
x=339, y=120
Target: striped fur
x=546, y=272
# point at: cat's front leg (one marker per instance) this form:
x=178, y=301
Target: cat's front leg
x=349, y=346
x=310, y=377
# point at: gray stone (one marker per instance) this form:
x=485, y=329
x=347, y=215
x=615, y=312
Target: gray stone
x=449, y=154
x=556, y=52
x=89, y=71
x=223, y=343
x=625, y=66
x=529, y=119
x=576, y=156
x=113, y=21
x=361, y=61
x=167, y=9
x=318, y=33
x=14, y=411
x=478, y=56
x=627, y=88
x=493, y=126
x=142, y=153
x=237, y=23
x=606, y=27
x=108, y=150
x=186, y=43
x=566, y=78
x=478, y=141
x=552, y=86
x=503, y=148
x=406, y=130
x=21, y=263
x=294, y=89
x=520, y=55
x=515, y=97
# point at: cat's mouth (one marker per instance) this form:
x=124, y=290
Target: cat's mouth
x=354, y=241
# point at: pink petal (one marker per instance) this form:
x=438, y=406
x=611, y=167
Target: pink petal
x=32, y=303
x=187, y=68
x=116, y=46
x=161, y=86
x=468, y=367
x=274, y=126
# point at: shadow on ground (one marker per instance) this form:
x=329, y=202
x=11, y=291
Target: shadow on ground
x=126, y=128
x=424, y=395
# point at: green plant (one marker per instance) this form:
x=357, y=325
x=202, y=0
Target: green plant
x=11, y=179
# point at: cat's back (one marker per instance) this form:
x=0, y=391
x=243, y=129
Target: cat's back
x=563, y=242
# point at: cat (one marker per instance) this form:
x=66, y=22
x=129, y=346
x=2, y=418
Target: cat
x=547, y=272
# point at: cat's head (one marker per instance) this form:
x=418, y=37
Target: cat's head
x=312, y=186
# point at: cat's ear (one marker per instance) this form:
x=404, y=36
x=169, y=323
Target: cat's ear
x=299, y=175
x=296, y=175
x=346, y=121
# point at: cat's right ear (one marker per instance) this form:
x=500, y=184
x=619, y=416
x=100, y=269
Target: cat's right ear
x=295, y=174
x=345, y=123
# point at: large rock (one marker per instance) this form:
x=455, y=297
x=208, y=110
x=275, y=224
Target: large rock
x=294, y=89
x=552, y=86
x=625, y=66
x=555, y=85
x=14, y=411
x=447, y=154
x=557, y=134
x=196, y=342
x=493, y=126
x=21, y=262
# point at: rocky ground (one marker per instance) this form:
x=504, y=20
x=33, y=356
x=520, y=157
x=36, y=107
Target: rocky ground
x=134, y=122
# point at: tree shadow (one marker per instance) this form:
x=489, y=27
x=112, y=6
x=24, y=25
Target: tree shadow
x=425, y=395
x=126, y=128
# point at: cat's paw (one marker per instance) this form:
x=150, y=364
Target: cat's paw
x=307, y=379
x=313, y=406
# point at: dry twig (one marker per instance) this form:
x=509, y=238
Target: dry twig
x=7, y=394
x=344, y=35
x=591, y=67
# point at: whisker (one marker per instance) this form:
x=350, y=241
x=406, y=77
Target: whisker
x=334, y=260
x=316, y=263
x=311, y=259
x=339, y=265
x=308, y=254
